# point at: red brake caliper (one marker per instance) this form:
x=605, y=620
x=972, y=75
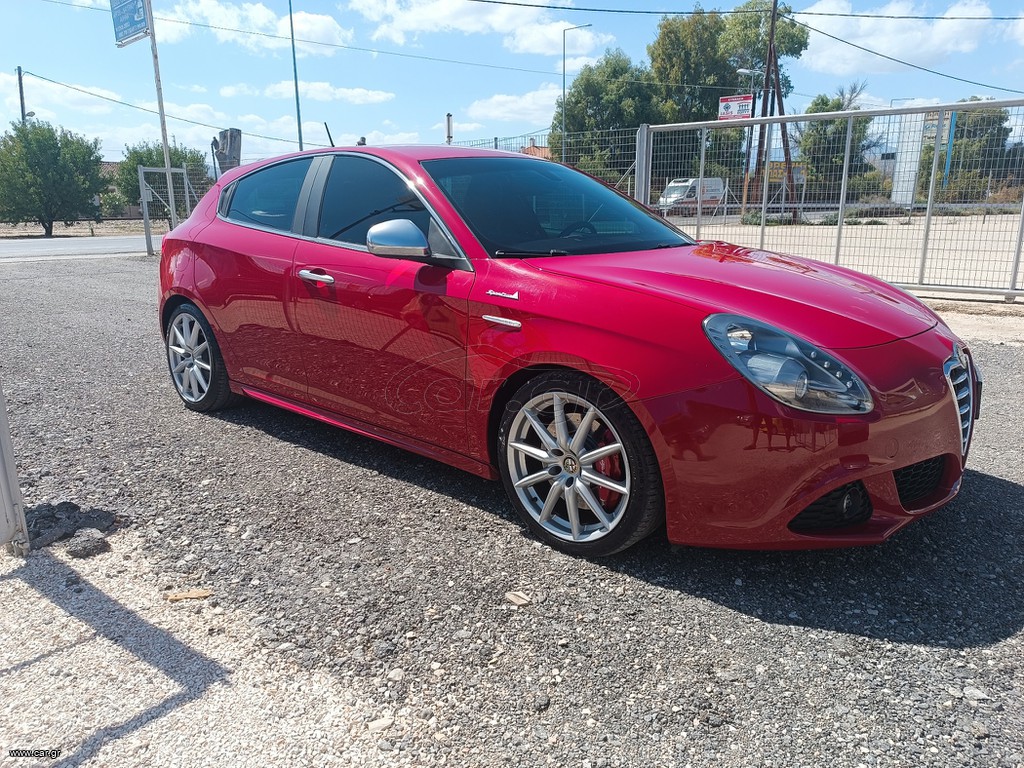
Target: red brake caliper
x=611, y=467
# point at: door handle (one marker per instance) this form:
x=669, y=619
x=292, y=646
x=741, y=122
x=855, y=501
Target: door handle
x=315, y=277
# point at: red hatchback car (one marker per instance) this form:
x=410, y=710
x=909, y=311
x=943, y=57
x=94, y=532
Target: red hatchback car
x=518, y=319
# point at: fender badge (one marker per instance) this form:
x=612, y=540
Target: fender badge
x=513, y=296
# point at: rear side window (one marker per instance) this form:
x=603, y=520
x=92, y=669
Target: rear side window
x=268, y=196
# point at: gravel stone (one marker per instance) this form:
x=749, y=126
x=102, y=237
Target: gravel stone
x=87, y=542
x=336, y=561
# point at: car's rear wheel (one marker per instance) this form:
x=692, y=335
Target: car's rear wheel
x=196, y=365
x=578, y=466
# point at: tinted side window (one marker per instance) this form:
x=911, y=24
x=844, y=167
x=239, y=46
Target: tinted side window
x=361, y=193
x=268, y=197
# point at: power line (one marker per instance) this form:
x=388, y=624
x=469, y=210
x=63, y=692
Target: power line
x=376, y=51
x=906, y=63
x=153, y=111
x=739, y=12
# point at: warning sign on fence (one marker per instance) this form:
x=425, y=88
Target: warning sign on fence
x=735, y=107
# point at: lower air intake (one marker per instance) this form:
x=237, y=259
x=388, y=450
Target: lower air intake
x=846, y=506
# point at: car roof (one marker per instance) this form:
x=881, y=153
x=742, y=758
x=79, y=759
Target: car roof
x=395, y=153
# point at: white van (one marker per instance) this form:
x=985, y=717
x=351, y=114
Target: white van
x=681, y=195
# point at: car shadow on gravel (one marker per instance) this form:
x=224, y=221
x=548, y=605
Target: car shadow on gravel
x=949, y=580
x=371, y=454
x=192, y=672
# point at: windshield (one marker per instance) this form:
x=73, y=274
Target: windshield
x=525, y=207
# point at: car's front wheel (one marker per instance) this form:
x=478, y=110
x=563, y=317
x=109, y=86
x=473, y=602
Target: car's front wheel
x=196, y=365
x=578, y=465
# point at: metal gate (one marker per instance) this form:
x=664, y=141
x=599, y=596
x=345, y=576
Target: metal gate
x=923, y=197
x=155, y=198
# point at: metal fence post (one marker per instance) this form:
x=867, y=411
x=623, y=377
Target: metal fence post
x=15, y=531
x=931, y=197
x=844, y=188
x=1015, y=273
x=185, y=189
x=764, y=180
x=700, y=177
x=643, y=164
x=144, y=201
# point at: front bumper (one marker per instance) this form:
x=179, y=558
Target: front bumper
x=742, y=471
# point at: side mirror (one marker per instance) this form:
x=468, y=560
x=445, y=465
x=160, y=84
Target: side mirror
x=398, y=239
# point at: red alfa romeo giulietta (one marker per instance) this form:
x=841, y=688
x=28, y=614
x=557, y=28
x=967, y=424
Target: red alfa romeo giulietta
x=520, y=320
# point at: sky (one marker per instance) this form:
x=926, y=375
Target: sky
x=390, y=70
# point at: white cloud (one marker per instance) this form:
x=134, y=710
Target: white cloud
x=239, y=89
x=199, y=112
x=193, y=88
x=1015, y=31
x=228, y=16
x=546, y=38
x=576, y=63
x=867, y=101
x=535, y=107
x=919, y=41
x=457, y=127
x=533, y=30
x=323, y=91
x=52, y=102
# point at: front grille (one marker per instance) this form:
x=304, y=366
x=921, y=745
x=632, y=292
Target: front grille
x=919, y=480
x=845, y=506
x=961, y=384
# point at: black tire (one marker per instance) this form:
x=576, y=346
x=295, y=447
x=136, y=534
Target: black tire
x=625, y=481
x=196, y=365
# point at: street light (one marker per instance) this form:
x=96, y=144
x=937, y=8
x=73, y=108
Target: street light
x=750, y=134
x=567, y=29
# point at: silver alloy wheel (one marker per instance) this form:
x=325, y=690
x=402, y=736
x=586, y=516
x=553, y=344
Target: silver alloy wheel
x=188, y=351
x=558, y=445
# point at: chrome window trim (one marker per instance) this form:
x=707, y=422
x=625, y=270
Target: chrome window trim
x=464, y=264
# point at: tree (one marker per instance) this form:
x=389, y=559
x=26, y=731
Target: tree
x=745, y=39
x=613, y=94
x=980, y=160
x=48, y=174
x=689, y=68
x=151, y=155
x=822, y=143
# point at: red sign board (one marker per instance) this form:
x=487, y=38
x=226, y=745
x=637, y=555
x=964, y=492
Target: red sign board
x=735, y=107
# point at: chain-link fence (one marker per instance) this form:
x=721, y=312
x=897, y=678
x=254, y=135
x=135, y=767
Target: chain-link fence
x=923, y=197
x=608, y=155
x=173, y=204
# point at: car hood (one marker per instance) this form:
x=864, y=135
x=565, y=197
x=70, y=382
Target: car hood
x=829, y=306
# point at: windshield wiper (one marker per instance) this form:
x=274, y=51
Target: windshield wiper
x=528, y=254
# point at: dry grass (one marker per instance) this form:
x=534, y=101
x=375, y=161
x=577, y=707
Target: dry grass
x=83, y=229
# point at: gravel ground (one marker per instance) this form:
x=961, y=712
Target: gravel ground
x=358, y=611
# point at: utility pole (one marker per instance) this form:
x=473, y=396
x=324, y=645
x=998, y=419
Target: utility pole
x=761, y=166
x=21, y=94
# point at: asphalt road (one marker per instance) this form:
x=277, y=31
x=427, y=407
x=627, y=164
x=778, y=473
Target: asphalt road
x=55, y=248
x=357, y=611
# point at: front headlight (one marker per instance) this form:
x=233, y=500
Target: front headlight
x=788, y=369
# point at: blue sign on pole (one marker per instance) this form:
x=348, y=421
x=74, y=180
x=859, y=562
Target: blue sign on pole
x=130, y=22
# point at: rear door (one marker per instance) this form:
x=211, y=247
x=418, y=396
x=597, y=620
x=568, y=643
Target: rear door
x=13, y=531
x=243, y=274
